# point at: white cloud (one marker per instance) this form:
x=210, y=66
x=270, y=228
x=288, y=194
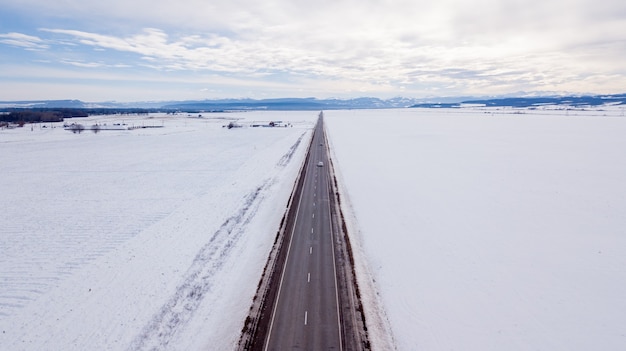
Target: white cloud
x=27, y=42
x=416, y=45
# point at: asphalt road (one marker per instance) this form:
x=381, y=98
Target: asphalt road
x=306, y=313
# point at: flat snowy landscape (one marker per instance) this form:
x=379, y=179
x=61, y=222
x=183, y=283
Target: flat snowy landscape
x=475, y=229
x=490, y=229
x=140, y=239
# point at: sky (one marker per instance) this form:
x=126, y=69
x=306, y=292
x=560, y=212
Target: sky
x=156, y=50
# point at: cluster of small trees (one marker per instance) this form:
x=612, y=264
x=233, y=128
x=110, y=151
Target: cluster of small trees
x=79, y=128
x=76, y=128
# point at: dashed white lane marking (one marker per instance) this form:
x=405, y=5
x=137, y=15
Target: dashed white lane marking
x=306, y=316
x=314, y=215
x=311, y=230
x=311, y=250
x=308, y=278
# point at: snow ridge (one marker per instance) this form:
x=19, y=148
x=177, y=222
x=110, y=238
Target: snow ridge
x=197, y=281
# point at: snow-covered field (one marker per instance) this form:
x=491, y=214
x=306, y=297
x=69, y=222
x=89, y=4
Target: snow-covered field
x=140, y=239
x=475, y=229
x=489, y=229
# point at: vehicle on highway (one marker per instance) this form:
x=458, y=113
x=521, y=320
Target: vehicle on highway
x=320, y=164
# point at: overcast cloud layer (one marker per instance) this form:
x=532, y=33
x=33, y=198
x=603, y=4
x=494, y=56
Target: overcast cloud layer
x=192, y=49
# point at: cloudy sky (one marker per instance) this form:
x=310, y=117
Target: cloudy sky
x=131, y=50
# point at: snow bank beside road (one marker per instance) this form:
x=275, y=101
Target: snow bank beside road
x=150, y=238
x=490, y=231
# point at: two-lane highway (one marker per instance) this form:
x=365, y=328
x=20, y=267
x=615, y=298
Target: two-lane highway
x=306, y=313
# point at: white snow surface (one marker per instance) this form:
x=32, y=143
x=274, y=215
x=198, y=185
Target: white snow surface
x=488, y=229
x=140, y=239
x=473, y=229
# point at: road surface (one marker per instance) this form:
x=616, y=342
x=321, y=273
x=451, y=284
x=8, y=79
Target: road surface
x=306, y=313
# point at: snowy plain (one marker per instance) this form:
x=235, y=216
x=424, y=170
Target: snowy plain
x=488, y=229
x=151, y=238
x=475, y=229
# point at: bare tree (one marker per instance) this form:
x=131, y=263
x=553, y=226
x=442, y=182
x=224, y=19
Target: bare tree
x=77, y=128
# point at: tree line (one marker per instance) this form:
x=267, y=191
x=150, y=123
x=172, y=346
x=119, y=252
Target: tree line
x=20, y=115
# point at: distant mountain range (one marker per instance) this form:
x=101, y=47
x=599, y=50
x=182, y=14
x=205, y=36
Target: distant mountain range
x=292, y=104
x=321, y=104
x=574, y=101
x=222, y=104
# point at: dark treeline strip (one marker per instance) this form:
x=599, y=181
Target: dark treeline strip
x=20, y=115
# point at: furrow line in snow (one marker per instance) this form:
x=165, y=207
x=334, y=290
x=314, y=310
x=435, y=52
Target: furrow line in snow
x=197, y=281
x=287, y=157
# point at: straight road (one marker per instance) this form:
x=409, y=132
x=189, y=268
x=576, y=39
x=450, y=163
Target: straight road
x=306, y=313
